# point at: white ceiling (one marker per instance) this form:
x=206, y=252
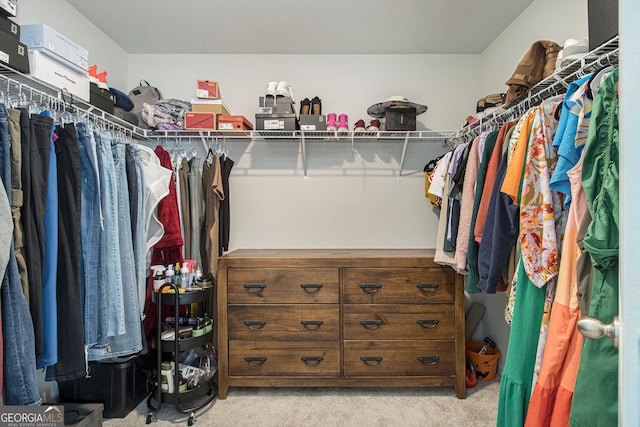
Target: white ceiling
x=302, y=26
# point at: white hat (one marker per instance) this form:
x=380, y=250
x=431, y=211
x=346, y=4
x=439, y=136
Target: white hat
x=572, y=50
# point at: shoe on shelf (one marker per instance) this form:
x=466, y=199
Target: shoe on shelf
x=316, y=106
x=271, y=89
x=305, y=107
x=331, y=122
x=374, y=126
x=359, y=126
x=283, y=89
x=102, y=80
x=92, y=72
x=343, y=123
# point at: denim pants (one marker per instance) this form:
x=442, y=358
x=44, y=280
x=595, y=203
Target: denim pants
x=71, y=357
x=49, y=354
x=131, y=340
x=139, y=236
x=93, y=292
x=36, y=149
x=19, y=364
x=110, y=263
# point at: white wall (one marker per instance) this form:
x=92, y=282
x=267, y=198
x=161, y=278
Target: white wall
x=542, y=20
x=352, y=199
x=64, y=18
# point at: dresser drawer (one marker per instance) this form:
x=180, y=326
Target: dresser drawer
x=284, y=358
x=287, y=322
x=282, y=285
x=398, y=285
x=403, y=358
x=399, y=322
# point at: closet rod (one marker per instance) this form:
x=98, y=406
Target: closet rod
x=60, y=98
x=556, y=84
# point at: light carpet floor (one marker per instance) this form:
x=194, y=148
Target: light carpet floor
x=340, y=407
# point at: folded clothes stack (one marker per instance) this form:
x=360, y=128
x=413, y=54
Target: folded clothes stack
x=166, y=114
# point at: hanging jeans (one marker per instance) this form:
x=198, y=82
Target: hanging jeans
x=36, y=151
x=71, y=357
x=138, y=228
x=93, y=290
x=19, y=362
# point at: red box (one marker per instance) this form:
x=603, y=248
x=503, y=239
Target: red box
x=205, y=121
x=208, y=89
x=234, y=123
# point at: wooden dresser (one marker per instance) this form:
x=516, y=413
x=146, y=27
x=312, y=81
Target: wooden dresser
x=352, y=318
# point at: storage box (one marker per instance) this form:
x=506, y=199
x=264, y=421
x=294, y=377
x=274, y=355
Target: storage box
x=276, y=122
x=83, y=414
x=208, y=89
x=400, y=118
x=270, y=101
x=9, y=27
x=13, y=53
x=204, y=121
x=226, y=122
x=282, y=105
x=54, y=44
x=603, y=21
x=119, y=385
x=208, y=106
x=312, y=122
x=56, y=74
x=101, y=98
x=9, y=7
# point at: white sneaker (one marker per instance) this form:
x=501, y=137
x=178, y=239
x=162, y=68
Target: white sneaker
x=271, y=89
x=283, y=89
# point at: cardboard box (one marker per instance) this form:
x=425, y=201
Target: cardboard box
x=54, y=44
x=208, y=89
x=9, y=7
x=312, y=122
x=400, y=118
x=204, y=121
x=13, y=53
x=9, y=27
x=202, y=106
x=226, y=122
x=101, y=98
x=55, y=73
x=276, y=122
x=602, y=16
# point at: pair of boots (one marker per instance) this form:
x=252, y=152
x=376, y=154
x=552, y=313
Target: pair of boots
x=537, y=64
x=311, y=107
x=342, y=124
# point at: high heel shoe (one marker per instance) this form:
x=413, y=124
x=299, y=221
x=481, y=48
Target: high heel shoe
x=305, y=107
x=316, y=106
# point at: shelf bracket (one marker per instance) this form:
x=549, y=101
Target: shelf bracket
x=304, y=154
x=404, y=152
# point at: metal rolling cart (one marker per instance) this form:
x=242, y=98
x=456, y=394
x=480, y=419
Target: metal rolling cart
x=189, y=401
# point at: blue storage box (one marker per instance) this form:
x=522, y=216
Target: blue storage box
x=55, y=45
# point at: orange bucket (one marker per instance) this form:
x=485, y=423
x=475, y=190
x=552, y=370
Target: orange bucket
x=485, y=364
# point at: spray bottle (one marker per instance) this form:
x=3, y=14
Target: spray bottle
x=158, y=276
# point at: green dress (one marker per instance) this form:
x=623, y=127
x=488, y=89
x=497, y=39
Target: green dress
x=595, y=399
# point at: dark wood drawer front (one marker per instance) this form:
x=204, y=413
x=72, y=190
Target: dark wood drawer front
x=398, y=285
x=403, y=358
x=286, y=322
x=284, y=358
x=396, y=321
x=282, y=285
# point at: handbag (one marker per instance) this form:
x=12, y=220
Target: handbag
x=144, y=93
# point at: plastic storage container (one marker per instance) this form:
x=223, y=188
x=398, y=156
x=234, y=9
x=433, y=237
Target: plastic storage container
x=120, y=385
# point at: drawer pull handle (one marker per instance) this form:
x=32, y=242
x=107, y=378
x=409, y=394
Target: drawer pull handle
x=311, y=288
x=254, y=288
x=371, y=360
x=255, y=361
x=428, y=324
x=429, y=360
x=312, y=324
x=312, y=360
x=255, y=324
x=427, y=287
x=370, y=288
x=371, y=324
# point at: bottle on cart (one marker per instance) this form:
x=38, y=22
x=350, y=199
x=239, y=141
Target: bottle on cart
x=167, y=377
x=178, y=276
x=158, y=276
x=185, y=276
x=169, y=275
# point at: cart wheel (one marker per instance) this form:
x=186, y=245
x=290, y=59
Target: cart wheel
x=190, y=422
x=150, y=418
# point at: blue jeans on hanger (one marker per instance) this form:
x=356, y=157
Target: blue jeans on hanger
x=20, y=385
x=139, y=236
x=93, y=291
